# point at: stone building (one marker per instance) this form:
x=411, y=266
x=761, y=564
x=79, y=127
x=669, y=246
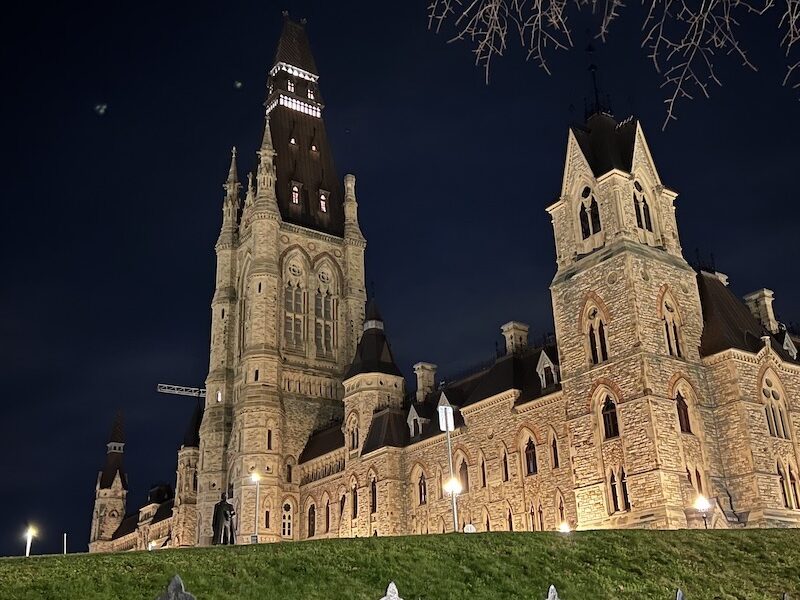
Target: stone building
x=659, y=386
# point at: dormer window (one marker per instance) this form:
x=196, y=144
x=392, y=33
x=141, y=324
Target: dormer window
x=548, y=376
x=290, y=85
x=313, y=147
x=310, y=93
x=295, y=193
x=323, y=201
x=293, y=141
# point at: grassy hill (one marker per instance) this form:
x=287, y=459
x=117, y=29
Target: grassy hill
x=587, y=565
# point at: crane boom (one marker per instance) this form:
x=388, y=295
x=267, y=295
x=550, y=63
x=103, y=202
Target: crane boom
x=181, y=390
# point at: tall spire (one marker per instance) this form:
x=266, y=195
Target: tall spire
x=116, y=439
x=232, y=185
x=113, y=465
x=265, y=174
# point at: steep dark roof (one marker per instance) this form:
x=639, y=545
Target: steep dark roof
x=113, y=466
x=117, y=429
x=293, y=47
x=191, y=439
x=388, y=428
x=323, y=441
x=373, y=354
x=309, y=160
x=605, y=143
x=128, y=525
x=727, y=322
x=164, y=511
x=372, y=313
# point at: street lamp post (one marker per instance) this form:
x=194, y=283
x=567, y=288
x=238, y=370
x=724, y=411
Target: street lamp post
x=447, y=424
x=256, y=478
x=702, y=505
x=30, y=533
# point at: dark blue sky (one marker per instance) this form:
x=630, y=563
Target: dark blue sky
x=110, y=221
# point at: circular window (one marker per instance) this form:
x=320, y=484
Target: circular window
x=295, y=270
x=287, y=508
x=324, y=277
x=585, y=193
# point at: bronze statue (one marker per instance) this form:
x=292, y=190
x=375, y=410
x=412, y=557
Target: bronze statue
x=222, y=525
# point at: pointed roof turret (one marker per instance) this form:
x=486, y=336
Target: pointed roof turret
x=114, y=454
x=232, y=185
x=308, y=191
x=373, y=354
x=191, y=439
x=293, y=47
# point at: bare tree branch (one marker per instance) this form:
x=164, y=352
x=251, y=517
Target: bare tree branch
x=684, y=38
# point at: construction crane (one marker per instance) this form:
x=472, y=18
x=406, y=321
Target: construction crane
x=181, y=390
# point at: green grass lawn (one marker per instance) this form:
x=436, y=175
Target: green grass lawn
x=753, y=564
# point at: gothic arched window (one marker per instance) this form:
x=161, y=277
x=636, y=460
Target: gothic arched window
x=354, y=493
x=373, y=496
x=784, y=491
x=597, y=336
x=774, y=407
x=327, y=516
x=463, y=475
x=793, y=488
x=324, y=317
x=672, y=325
x=531, y=468
x=586, y=230
x=612, y=485
x=422, y=486
x=562, y=517
x=294, y=315
x=510, y=521
x=295, y=193
x=642, y=209
x=554, y=452
x=594, y=216
x=683, y=413
x=286, y=521
x=623, y=485
x=342, y=502
x=505, y=466
x=483, y=472
x=312, y=520
x=610, y=422
x=540, y=513
x=589, y=214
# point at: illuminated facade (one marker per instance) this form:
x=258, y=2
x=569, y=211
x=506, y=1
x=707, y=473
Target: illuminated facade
x=662, y=385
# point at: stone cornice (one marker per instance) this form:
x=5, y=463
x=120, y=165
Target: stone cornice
x=326, y=237
x=491, y=401
x=748, y=357
x=546, y=400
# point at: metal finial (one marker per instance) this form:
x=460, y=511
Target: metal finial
x=233, y=152
x=303, y=21
x=285, y=14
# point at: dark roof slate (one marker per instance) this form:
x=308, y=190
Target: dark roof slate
x=127, y=526
x=117, y=429
x=164, y=511
x=112, y=466
x=728, y=323
x=388, y=428
x=322, y=442
x=373, y=353
x=606, y=144
x=293, y=47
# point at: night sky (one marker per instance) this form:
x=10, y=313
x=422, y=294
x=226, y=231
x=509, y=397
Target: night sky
x=110, y=221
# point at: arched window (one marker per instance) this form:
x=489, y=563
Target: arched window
x=672, y=325
x=286, y=521
x=289, y=473
x=373, y=496
x=532, y=518
x=784, y=492
x=698, y=480
x=463, y=475
x=294, y=315
x=640, y=205
x=683, y=413
x=295, y=194
x=342, y=502
x=623, y=484
x=597, y=336
x=554, y=452
x=488, y=524
x=327, y=516
x=354, y=493
x=531, y=468
x=483, y=472
x=594, y=216
x=323, y=202
x=777, y=422
x=540, y=514
x=505, y=465
x=312, y=520
x=610, y=423
x=290, y=85
x=194, y=480
x=353, y=431
x=324, y=319
x=612, y=485
x=589, y=214
x=266, y=519
x=422, y=486
x=793, y=488
x=510, y=521
x=269, y=439
x=562, y=517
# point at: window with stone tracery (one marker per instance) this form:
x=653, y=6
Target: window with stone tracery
x=531, y=467
x=683, y=413
x=774, y=407
x=295, y=188
x=294, y=313
x=325, y=307
x=596, y=336
x=610, y=421
x=422, y=486
x=286, y=521
x=672, y=326
x=312, y=520
x=589, y=214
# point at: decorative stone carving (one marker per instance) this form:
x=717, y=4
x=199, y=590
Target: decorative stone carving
x=391, y=592
x=176, y=591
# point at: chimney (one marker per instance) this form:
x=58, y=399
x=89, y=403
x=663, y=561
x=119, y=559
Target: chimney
x=516, y=335
x=426, y=376
x=760, y=304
